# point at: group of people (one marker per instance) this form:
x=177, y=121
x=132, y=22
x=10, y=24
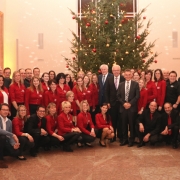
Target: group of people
x=59, y=110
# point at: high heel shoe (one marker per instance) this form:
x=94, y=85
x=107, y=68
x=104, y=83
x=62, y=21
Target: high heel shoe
x=21, y=158
x=103, y=145
x=79, y=145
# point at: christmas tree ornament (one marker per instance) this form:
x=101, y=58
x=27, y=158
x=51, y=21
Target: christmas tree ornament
x=122, y=59
x=111, y=15
x=94, y=50
x=122, y=5
x=99, y=71
x=155, y=61
x=74, y=17
x=144, y=17
x=88, y=24
x=106, y=22
x=120, y=25
x=138, y=37
x=67, y=66
x=73, y=58
x=107, y=45
x=143, y=61
x=93, y=12
x=127, y=52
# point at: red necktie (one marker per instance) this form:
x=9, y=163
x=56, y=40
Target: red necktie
x=151, y=116
x=169, y=123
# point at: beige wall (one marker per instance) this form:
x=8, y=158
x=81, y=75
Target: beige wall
x=24, y=19
x=165, y=16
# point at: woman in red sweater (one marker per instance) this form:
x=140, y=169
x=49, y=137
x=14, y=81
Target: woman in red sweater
x=85, y=124
x=16, y=93
x=25, y=139
x=104, y=125
x=150, y=87
x=45, y=80
x=51, y=125
x=160, y=84
x=4, y=93
x=142, y=101
x=62, y=88
x=66, y=128
x=34, y=96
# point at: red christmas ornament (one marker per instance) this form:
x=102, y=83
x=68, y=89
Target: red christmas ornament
x=121, y=4
x=155, y=61
x=99, y=71
x=67, y=66
x=124, y=20
x=106, y=22
x=144, y=17
x=73, y=58
x=143, y=61
x=88, y=24
x=94, y=50
x=138, y=37
x=74, y=17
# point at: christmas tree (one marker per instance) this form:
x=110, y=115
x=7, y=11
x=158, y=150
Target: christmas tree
x=109, y=36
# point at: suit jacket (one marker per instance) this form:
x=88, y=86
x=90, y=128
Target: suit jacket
x=152, y=126
x=111, y=91
x=132, y=98
x=31, y=125
x=102, y=88
x=174, y=119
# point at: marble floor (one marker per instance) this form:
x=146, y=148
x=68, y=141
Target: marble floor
x=113, y=162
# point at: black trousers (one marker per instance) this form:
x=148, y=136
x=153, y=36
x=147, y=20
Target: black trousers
x=128, y=118
x=71, y=137
x=33, y=108
x=24, y=143
x=6, y=148
x=14, y=111
x=116, y=120
x=87, y=138
x=55, y=141
x=40, y=141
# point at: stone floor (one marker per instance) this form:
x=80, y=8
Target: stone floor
x=98, y=163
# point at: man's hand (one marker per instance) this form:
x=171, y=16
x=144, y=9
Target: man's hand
x=141, y=127
x=127, y=105
x=43, y=132
x=146, y=137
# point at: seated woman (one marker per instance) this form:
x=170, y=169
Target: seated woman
x=51, y=125
x=104, y=125
x=85, y=124
x=25, y=139
x=66, y=128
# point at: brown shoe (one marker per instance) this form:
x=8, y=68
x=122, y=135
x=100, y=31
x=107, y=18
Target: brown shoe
x=3, y=165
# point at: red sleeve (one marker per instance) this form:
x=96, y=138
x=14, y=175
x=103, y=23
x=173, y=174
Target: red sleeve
x=61, y=121
x=12, y=93
x=99, y=124
x=144, y=103
x=80, y=124
x=75, y=92
x=90, y=119
x=16, y=127
x=48, y=125
x=74, y=108
x=154, y=92
x=27, y=97
x=42, y=99
x=163, y=92
x=46, y=98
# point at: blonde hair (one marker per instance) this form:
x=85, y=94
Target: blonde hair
x=64, y=104
x=49, y=106
x=13, y=77
x=84, y=102
x=18, y=114
x=69, y=93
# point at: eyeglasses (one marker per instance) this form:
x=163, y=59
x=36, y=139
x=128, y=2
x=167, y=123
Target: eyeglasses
x=41, y=111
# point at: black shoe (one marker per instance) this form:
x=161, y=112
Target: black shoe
x=21, y=158
x=152, y=144
x=79, y=145
x=130, y=144
x=124, y=143
x=141, y=144
x=67, y=149
x=103, y=145
x=175, y=146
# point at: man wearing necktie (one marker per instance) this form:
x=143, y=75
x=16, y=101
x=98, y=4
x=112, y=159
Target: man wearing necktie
x=169, y=125
x=149, y=125
x=102, y=82
x=128, y=95
x=112, y=85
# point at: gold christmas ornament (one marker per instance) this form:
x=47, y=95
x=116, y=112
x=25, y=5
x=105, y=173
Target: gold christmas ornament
x=107, y=45
x=127, y=52
x=111, y=15
x=120, y=25
x=122, y=59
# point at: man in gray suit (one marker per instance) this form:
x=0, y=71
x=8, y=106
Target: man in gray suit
x=8, y=141
x=128, y=95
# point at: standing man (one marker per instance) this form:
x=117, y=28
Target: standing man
x=102, y=82
x=112, y=85
x=166, y=75
x=128, y=95
x=36, y=72
x=27, y=80
x=7, y=79
x=8, y=141
x=22, y=73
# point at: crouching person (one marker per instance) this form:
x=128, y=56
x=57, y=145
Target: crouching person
x=149, y=125
x=8, y=141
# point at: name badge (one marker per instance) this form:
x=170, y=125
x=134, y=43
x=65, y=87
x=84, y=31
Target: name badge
x=65, y=91
x=84, y=93
x=22, y=90
x=88, y=91
x=172, y=86
x=158, y=87
x=40, y=95
x=55, y=100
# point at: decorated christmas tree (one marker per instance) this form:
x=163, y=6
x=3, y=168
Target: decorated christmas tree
x=109, y=36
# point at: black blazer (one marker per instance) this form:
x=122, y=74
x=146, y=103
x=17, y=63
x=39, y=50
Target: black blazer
x=174, y=118
x=102, y=88
x=134, y=94
x=152, y=126
x=110, y=90
x=32, y=124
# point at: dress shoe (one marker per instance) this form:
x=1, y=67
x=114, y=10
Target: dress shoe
x=175, y=146
x=103, y=145
x=21, y=158
x=2, y=164
x=130, y=144
x=67, y=149
x=79, y=145
x=141, y=144
x=124, y=143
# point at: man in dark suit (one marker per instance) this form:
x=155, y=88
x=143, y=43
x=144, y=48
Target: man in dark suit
x=128, y=94
x=7, y=79
x=169, y=125
x=149, y=125
x=112, y=84
x=102, y=82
